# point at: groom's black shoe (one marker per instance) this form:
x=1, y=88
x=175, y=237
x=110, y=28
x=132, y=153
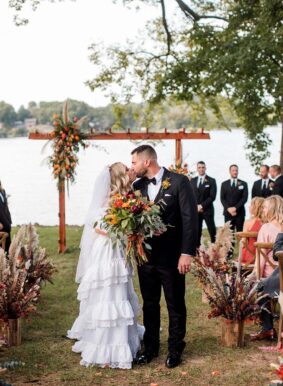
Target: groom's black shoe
x=145, y=357
x=173, y=359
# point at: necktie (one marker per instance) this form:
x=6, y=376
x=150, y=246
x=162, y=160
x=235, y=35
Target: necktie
x=200, y=182
x=264, y=189
x=234, y=184
x=151, y=181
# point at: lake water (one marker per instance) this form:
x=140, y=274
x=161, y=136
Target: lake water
x=32, y=189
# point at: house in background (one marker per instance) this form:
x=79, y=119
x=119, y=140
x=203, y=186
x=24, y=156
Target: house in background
x=29, y=123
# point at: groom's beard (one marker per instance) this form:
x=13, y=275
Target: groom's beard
x=142, y=173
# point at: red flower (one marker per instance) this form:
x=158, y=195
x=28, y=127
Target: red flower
x=118, y=203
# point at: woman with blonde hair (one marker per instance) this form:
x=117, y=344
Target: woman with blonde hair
x=253, y=224
x=106, y=329
x=272, y=210
x=273, y=213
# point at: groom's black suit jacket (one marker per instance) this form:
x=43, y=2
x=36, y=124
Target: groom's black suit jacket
x=179, y=210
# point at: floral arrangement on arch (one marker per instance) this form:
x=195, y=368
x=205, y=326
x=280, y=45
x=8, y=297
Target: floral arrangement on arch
x=67, y=139
x=180, y=169
x=230, y=294
x=22, y=274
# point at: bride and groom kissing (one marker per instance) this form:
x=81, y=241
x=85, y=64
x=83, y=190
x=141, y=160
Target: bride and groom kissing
x=106, y=330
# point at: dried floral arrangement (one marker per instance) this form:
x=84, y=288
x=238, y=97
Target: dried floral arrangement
x=22, y=273
x=230, y=294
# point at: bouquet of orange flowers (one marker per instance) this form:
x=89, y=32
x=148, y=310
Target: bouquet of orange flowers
x=131, y=219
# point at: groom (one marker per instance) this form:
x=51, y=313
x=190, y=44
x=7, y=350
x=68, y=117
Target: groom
x=171, y=253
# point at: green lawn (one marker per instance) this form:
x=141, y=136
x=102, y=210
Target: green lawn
x=50, y=361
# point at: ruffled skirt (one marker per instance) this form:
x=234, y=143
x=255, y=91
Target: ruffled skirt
x=106, y=328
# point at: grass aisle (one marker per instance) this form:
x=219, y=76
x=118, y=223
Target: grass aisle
x=50, y=361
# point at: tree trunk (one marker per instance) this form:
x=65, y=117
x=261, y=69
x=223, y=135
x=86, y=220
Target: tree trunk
x=281, y=149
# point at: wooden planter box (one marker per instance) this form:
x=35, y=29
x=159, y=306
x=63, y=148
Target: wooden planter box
x=232, y=333
x=11, y=332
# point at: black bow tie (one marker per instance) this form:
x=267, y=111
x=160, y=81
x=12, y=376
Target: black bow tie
x=150, y=181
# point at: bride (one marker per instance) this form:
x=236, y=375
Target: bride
x=106, y=329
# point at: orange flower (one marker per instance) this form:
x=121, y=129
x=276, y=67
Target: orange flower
x=77, y=138
x=126, y=205
x=55, y=116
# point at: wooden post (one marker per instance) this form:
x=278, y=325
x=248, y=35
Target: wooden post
x=178, y=151
x=62, y=218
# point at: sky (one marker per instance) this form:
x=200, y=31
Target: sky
x=48, y=58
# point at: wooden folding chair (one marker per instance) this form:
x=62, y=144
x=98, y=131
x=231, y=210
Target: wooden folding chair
x=3, y=237
x=261, y=249
x=245, y=236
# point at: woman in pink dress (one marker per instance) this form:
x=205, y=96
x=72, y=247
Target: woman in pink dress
x=252, y=225
x=273, y=211
x=273, y=215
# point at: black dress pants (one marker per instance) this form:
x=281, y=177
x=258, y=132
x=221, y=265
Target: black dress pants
x=209, y=220
x=152, y=278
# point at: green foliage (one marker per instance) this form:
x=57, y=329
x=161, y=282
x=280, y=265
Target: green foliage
x=228, y=48
x=7, y=114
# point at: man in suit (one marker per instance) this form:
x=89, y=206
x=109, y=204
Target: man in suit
x=263, y=186
x=171, y=253
x=234, y=195
x=205, y=191
x=275, y=174
x=5, y=217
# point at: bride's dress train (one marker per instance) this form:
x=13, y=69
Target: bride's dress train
x=106, y=328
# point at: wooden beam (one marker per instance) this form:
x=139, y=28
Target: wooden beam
x=133, y=136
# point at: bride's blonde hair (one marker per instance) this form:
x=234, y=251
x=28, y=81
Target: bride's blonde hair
x=120, y=181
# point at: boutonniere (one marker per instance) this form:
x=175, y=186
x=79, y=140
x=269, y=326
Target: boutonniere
x=166, y=183
x=239, y=183
x=271, y=185
x=205, y=180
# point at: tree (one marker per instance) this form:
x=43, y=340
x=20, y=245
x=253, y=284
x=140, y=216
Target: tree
x=23, y=114
x=222, y=47
x=7, y=114
x=231, y=48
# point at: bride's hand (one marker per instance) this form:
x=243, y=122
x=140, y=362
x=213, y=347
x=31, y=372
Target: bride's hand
x=101, y=232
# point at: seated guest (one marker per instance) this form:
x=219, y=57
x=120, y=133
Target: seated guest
x=270, y=287
x=262, y=187
x=273, y=216
x=5, y=217
x=252, y=225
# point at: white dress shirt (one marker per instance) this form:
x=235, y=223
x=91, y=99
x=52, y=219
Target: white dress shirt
x=236, y=181
x=201, y=180
x=154, y=189
x=2, y=197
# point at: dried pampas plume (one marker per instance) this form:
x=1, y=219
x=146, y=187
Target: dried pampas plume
x=223, y=243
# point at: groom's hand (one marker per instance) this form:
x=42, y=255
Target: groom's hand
x=184, y=264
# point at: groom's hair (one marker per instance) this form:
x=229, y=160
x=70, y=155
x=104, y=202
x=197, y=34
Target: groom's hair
x=147, y=149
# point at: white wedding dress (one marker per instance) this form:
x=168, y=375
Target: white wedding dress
x=106, y=329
